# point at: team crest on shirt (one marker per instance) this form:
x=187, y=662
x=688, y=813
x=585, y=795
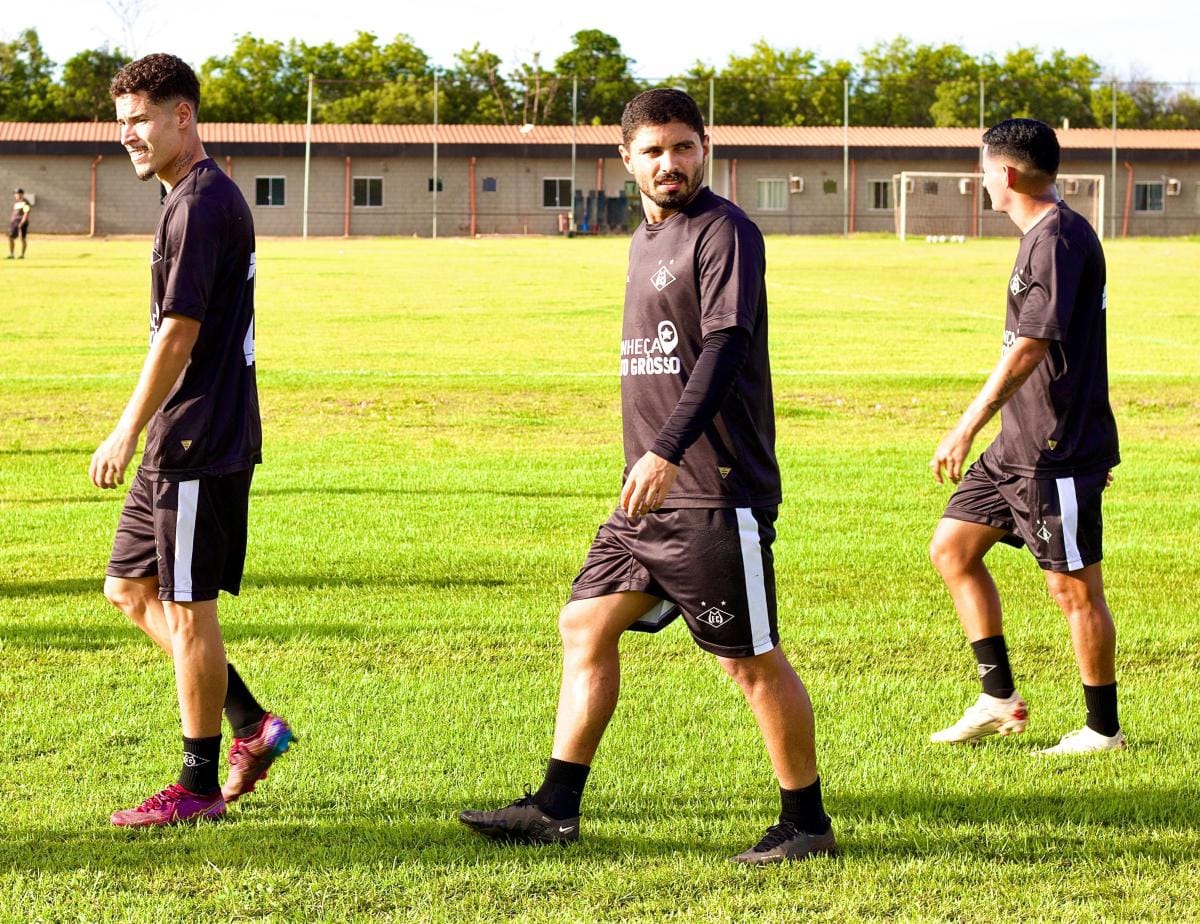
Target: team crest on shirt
x=714, y=617
x=1043, y=532
x=155, y=256
x=1016, y=285
x=662, y=277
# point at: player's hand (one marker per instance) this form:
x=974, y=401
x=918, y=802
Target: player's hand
x=647, y=486
x=110, y=460
x=950, y=455
x=1108, y=479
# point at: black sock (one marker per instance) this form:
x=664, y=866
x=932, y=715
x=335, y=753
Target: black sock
x=562, y=790
x=200, y=760
x=803, y=808
x=241, y=708
x=994, y=671
x=1102, y=708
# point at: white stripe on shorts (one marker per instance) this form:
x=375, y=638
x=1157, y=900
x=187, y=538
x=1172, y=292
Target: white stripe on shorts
x=756, y=590
x=1068, y=507
x=185, y=536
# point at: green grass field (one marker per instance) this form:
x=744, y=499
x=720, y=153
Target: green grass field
x=442, y=439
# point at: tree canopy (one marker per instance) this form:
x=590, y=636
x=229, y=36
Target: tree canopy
x=368, y=79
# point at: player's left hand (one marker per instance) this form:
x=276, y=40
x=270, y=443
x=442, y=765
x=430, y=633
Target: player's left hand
x=647, y=486
x=111, y=458
x=950, y=455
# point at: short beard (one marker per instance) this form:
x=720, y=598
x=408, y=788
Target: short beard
x=677, y=200
x=144, y=171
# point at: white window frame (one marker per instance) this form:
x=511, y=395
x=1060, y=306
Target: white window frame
x=765, y=187
x=1148, y=185
x=887, y=195
x=368, y=204
x=559, y=180
x=270, y=179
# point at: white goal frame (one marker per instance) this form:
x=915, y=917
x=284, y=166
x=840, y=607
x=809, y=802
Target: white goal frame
x=903, y=178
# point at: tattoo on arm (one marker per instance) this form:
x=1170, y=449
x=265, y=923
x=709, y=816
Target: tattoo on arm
x=1007, y=388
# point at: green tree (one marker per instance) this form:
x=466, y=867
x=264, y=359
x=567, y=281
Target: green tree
x=605, y=79
x=1054, y=89
x=773, y=86
x=26, y=80
x=535, y=90
x=259, y=81
x=898, y=84
x=81, y=95
x=475, y=90
x=368, y=83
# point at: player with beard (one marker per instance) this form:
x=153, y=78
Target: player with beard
x=693, y=528
x=181, y=537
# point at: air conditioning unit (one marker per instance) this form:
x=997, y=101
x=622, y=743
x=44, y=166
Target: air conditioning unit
x=1174, y=187
x=1070, y=187
x=795, y=184
x=965, y=185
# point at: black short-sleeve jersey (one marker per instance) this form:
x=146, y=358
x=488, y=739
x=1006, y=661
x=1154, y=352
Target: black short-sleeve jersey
x=1059, y=422
x=700, y=271
x=202, y=267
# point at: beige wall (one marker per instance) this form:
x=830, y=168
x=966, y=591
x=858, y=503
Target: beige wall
x=61, y=186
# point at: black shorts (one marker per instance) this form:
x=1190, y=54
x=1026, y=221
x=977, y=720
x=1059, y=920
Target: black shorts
x=1059, y=519
x=17, y=230
x=191, y=535
x=713, y=565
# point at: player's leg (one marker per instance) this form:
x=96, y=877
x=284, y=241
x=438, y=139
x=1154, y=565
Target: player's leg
x=12, y=240
x=590, y=629
x=24, y=242
x=783, y=711
x=138, y=599
x=1070, y=515
x=977, y=517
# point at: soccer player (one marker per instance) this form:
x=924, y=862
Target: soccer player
x=182, y=532
x=18, y=225
x=1040, y=482
x=693, y=529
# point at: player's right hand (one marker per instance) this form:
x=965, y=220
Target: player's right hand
x=109, y=461
x=949, y=456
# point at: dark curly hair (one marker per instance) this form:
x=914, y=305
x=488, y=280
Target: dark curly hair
x=1028, y=141
x=161, y=77
x=658, y=107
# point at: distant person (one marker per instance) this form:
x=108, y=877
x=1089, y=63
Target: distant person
x=1040, y=482
x=182, y=533
x=694, y=525
x=18, y=226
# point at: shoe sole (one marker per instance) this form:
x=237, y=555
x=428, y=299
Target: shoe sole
x=200, y=818
x=1011, y=727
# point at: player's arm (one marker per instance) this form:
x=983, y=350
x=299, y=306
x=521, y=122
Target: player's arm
x=721, y=359
x=164, y=363
x=1009, y=375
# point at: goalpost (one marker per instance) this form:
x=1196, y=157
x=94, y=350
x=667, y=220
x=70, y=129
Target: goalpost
x=954, y=206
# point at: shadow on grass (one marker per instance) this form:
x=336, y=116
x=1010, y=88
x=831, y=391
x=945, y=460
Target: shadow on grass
x=1132, y=825
x=95, y=584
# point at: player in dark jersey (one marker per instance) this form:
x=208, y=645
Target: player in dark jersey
x=1039, y=483
x=182, y=533
x=693, y=530
x=18, y=225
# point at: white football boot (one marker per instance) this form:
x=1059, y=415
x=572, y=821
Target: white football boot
x=988, y=716
x=1085, y=741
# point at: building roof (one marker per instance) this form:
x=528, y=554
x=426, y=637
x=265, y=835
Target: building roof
x=740, y=136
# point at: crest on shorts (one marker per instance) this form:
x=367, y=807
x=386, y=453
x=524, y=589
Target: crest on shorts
x=1043, y=531
x=715, y=617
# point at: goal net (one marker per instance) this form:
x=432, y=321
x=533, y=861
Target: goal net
x=955, y=206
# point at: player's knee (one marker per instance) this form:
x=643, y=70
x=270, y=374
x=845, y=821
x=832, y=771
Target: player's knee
x=751, y=673
x=129, y=598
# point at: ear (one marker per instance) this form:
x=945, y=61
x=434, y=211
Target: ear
x=1012, y=176
x=185, y=115
x=626, y=157
x=705, y=145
